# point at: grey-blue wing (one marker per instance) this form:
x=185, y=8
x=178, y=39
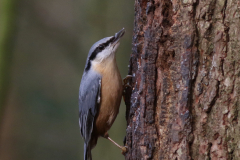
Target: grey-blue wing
x=89, y=100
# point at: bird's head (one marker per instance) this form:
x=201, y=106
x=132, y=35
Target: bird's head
x=104, y=49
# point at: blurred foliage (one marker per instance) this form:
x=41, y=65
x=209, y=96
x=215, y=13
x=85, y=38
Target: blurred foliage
x=52, y=42
x=7, y=28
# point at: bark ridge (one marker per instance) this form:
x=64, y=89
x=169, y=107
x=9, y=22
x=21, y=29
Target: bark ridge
x=186, y=80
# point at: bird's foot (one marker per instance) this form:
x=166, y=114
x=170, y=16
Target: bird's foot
x=124, y=150
x=126, y=86
x=126, y=81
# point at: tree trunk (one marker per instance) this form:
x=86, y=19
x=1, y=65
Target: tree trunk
x=184, y=101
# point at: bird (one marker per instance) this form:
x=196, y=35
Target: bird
x=100, y=93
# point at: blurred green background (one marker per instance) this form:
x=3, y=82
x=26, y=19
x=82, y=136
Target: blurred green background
x=43, y=48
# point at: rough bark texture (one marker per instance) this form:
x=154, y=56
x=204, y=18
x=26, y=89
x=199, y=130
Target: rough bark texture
x=185, y=64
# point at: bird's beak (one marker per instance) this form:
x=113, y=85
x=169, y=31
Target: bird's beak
x=118, y=35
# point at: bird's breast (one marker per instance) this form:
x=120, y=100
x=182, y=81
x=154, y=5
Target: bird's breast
x=111, y=94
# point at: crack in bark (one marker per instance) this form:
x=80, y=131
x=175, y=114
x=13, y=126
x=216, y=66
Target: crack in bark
x=182, y=50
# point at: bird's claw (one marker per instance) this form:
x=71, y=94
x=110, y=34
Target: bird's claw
x=126, y=85
x=124, y=150
x=126, y=81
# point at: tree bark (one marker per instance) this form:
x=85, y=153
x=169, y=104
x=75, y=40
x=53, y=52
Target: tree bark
x=184, y=101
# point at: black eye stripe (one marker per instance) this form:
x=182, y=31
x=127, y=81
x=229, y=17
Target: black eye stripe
x=99, y=49
x=96, y=51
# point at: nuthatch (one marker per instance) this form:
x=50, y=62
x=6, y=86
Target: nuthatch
x=100, y=93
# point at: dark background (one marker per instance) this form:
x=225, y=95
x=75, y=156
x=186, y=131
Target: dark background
x=50, y=45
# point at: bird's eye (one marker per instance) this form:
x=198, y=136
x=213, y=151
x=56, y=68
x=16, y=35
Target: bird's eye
x=101, y=47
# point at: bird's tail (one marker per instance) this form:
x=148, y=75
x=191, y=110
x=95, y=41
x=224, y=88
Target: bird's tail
x=87, y=152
